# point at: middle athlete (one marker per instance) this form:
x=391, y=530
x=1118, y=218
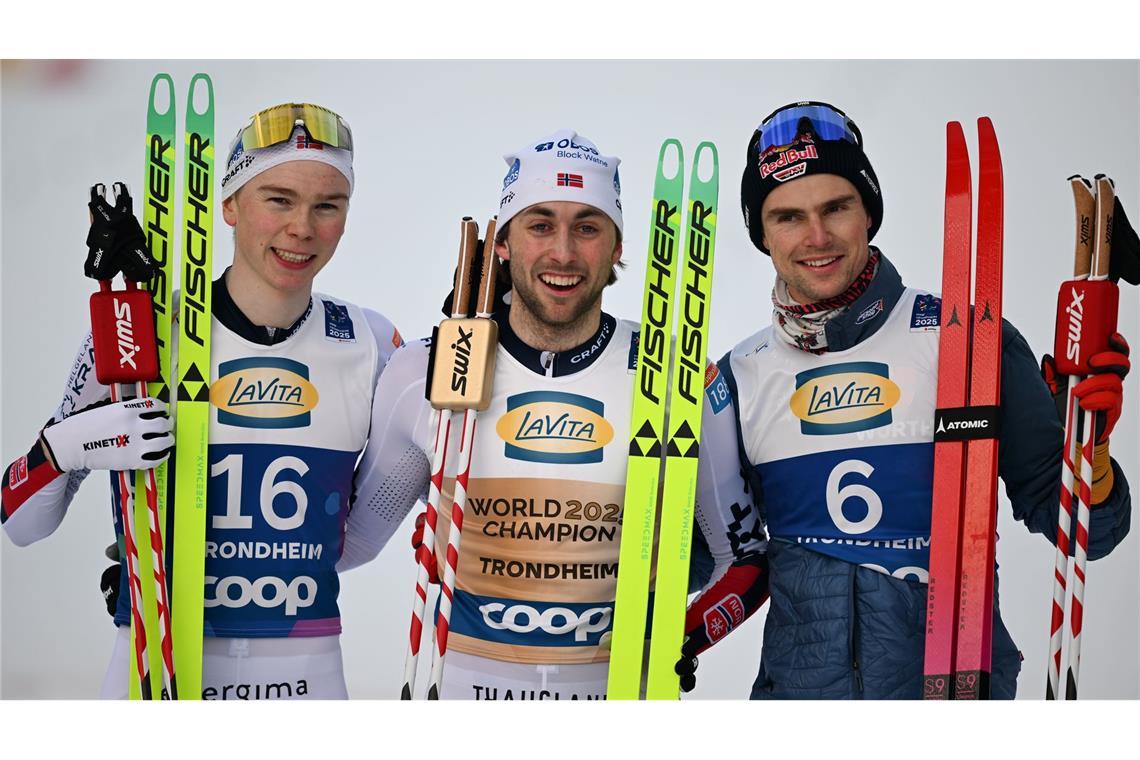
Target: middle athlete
x=537, y=573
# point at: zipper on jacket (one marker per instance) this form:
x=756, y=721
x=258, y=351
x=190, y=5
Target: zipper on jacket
x=853, y=635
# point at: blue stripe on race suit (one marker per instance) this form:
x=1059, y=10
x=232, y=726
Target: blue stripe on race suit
x=868, y=505
x=530, y=623
x=274, y=534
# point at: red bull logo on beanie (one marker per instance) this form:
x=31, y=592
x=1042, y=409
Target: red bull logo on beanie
x=791, y=161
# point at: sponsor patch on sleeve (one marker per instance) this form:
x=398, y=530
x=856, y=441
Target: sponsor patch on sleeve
x=18, y=475
x=925, y=315
x=633, y=343
x=338, y=325
x=397, y=339
x=721, y=619
x=716, y=388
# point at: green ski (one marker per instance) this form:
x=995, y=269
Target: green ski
x=639, y=512
x=193, y=395
x=158, y=224
x=684, y=425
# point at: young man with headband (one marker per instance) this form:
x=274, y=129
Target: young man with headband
x=286, y=194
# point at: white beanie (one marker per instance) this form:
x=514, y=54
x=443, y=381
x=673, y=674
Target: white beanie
x=561, y=167
x=244, y=165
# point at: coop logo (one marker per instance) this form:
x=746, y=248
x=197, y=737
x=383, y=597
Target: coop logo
x=548, y=625
x=554, y=427
x=264, y=392
x=844, y=398
x=267, y=592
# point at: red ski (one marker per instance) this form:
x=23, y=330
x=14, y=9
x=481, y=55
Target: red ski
x=964, y=510
x=949, y=456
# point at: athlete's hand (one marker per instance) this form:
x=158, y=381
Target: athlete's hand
x=126, y=435
x=421, y=550
x=686, y=667
x=116, y=241
x=1102, y=391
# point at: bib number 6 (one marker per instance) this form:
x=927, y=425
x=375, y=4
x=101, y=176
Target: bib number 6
x=837, y=496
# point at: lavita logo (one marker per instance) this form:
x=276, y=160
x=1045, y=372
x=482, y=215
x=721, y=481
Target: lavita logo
x=264, y=392
x=554, y=427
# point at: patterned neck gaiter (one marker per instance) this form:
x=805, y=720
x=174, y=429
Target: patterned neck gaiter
x=803, y=325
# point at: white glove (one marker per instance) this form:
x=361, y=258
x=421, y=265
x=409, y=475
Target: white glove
x=125, y=435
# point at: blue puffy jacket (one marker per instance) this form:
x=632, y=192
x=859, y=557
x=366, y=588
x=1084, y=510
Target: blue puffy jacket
x=839, y=631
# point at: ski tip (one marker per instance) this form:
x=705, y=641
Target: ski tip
x=665, y=166
x=406, y=692
x=201, y=79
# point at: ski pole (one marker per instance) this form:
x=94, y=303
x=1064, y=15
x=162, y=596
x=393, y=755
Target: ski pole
x=472, y=404
x=1105, y=197
x=1085, y=201
x=460, y=297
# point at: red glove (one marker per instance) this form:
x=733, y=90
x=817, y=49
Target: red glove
x=421, y=550
x=1103, y=390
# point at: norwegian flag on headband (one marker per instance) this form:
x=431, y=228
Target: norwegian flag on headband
x=569, y=180
x=303, y=142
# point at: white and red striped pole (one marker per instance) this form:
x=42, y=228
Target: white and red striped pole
x=426, y=553
x=1105, y=201
x=484, y=306
x=1084, y=200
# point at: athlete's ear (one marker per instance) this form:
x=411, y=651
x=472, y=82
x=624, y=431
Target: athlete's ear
x=229, y=209
x=617, y=255
x=503, y=250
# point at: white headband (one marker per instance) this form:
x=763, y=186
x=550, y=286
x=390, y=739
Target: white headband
x=244, y=165
x=561, y=167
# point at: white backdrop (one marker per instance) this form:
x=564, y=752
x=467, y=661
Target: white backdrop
x=430, y=136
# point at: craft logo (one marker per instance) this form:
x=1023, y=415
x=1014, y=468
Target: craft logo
x=726, y=615
x=788, y=158
x=844, y=398
x=555, y=428
x=264, y=392
x=870, y=312
x=510, y=196
x=566, y=179
x=512, y=175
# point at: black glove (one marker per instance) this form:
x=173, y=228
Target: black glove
x=116, y=241
x=1124, y=264
x=686, y=667
x=502, y=285
x=109, y=585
